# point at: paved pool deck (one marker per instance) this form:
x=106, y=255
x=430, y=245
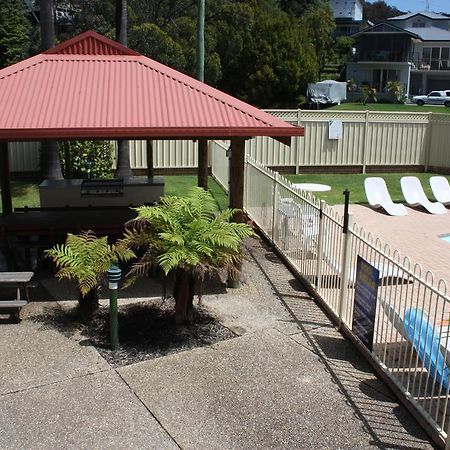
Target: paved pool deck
x=288, y=380
x=415, y=235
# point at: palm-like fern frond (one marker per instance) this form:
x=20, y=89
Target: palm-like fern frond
x=185, y=232
x=85, y=258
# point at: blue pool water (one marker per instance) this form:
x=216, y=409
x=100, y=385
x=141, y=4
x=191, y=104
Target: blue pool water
x=445, y=237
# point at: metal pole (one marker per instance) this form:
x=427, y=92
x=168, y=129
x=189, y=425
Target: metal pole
x=320, y=240
x=114, y=274
x=201, y=40
x=345, y=263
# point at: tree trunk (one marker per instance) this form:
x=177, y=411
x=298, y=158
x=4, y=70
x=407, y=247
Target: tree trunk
x=47, y=24
x=123, y=169
x=183, y=292
x=122, y=22
x=123, y=147
x=50, y=164
x=89, y=304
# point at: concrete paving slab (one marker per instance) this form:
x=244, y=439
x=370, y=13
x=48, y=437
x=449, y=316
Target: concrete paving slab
x=34, y=354
x=252, y=307
x=261, y=390
x=91, y=412
x=389, y=424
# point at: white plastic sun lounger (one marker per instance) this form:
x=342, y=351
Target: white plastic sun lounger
x=441, y=189
x=415, y=196
x=378, y=196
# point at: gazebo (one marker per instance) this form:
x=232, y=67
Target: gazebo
x=91, y=87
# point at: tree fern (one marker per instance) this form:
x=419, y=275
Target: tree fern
x=85, y=258
x=185, y=232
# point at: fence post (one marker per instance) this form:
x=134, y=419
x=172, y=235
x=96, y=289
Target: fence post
x=297, y=145
x=346, y=259
x=320, y=247
x=428, y=142
x=246, y=183
x=366, y=139
x=275, y=209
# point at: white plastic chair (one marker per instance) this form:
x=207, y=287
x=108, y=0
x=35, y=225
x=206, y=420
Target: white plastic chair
x=441, y=189
x=378, y=196
x=415, y=196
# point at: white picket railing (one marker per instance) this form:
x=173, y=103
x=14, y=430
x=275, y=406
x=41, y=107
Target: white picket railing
x=412, y=322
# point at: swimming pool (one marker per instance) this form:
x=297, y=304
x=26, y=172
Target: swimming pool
x=445, y=237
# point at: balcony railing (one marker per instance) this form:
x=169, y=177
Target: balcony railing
x=421, y=64
x=416, y=59
x=381, y=55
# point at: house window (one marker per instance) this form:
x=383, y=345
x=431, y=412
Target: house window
x=419, y=24
x=380, y=78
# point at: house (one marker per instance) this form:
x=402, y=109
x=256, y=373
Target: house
x=413, y=49
x=348, y=15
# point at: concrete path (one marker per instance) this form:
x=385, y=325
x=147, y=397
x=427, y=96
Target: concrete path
x=289, y=380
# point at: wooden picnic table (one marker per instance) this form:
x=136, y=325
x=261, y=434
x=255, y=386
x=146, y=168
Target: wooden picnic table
x=17, y=280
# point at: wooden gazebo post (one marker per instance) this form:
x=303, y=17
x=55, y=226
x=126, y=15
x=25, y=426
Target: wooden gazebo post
x=237, y=161
x=5, y=179
x=203, y=163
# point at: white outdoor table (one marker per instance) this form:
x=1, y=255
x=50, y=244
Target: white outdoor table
x=312, y=187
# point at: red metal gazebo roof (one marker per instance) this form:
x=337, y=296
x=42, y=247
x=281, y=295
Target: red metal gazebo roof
x=92, y=87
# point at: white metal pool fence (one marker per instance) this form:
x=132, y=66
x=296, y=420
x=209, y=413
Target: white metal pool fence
x=410, y=345
x=374, y=139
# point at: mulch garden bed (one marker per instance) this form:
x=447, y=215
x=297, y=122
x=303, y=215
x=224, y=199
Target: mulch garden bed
x=147, y=330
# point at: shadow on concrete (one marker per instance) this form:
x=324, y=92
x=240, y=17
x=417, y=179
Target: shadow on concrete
x=389, y=424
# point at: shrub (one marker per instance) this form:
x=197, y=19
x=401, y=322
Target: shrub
x=87, y=159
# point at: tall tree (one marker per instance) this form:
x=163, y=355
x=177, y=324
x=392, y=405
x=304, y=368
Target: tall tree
x=123, y=147
x=50, y=164
x=14, y=32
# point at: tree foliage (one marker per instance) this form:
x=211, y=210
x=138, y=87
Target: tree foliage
x=185, y=237
x=155, y=43
x=87, y=159
x=15, y=30
x=379, y=11
x=85, y=259
x=185, y=233
x=263, y=51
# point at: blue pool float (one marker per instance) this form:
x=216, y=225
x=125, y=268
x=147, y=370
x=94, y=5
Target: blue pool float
x=426, y=344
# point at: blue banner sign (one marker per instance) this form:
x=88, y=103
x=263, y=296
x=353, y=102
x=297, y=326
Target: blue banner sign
x=366, y=288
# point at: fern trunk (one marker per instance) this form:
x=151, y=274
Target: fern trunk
x=183, y=293
x=89, y=303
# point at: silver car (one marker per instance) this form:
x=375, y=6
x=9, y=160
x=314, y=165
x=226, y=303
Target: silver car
x=433, y=98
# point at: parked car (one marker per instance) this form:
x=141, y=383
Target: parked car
x=433, y=98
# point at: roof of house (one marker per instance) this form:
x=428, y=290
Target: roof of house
x=430, y=33
x=92, y=87
x=381, y=25
x=428, y=14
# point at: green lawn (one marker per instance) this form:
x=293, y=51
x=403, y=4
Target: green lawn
x=355, y=184
x=390, y=107
x=25, y=191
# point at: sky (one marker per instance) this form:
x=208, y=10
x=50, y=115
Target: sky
x=420, y=5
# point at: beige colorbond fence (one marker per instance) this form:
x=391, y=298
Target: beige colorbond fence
x=410, y=345
x=368, y=139
x=168, y=154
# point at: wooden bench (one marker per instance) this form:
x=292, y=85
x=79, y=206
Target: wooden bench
x=17, y=280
